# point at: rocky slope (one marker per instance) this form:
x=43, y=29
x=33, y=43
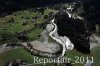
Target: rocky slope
x=75, y=30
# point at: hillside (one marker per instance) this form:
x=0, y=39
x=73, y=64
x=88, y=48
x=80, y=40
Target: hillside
x=9, y=6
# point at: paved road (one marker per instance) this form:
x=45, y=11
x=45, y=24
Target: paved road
x=97, y=37
x=65, y=44
x=89, y=63
x=4, y=48
x=94, y=41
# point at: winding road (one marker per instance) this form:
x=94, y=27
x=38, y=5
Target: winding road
x=65, y=44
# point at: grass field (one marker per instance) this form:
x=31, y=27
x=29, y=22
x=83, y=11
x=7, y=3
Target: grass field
x=12, y=24
x=96, y=54
x=21, y=53
x=50, y=40
x=15, y=54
